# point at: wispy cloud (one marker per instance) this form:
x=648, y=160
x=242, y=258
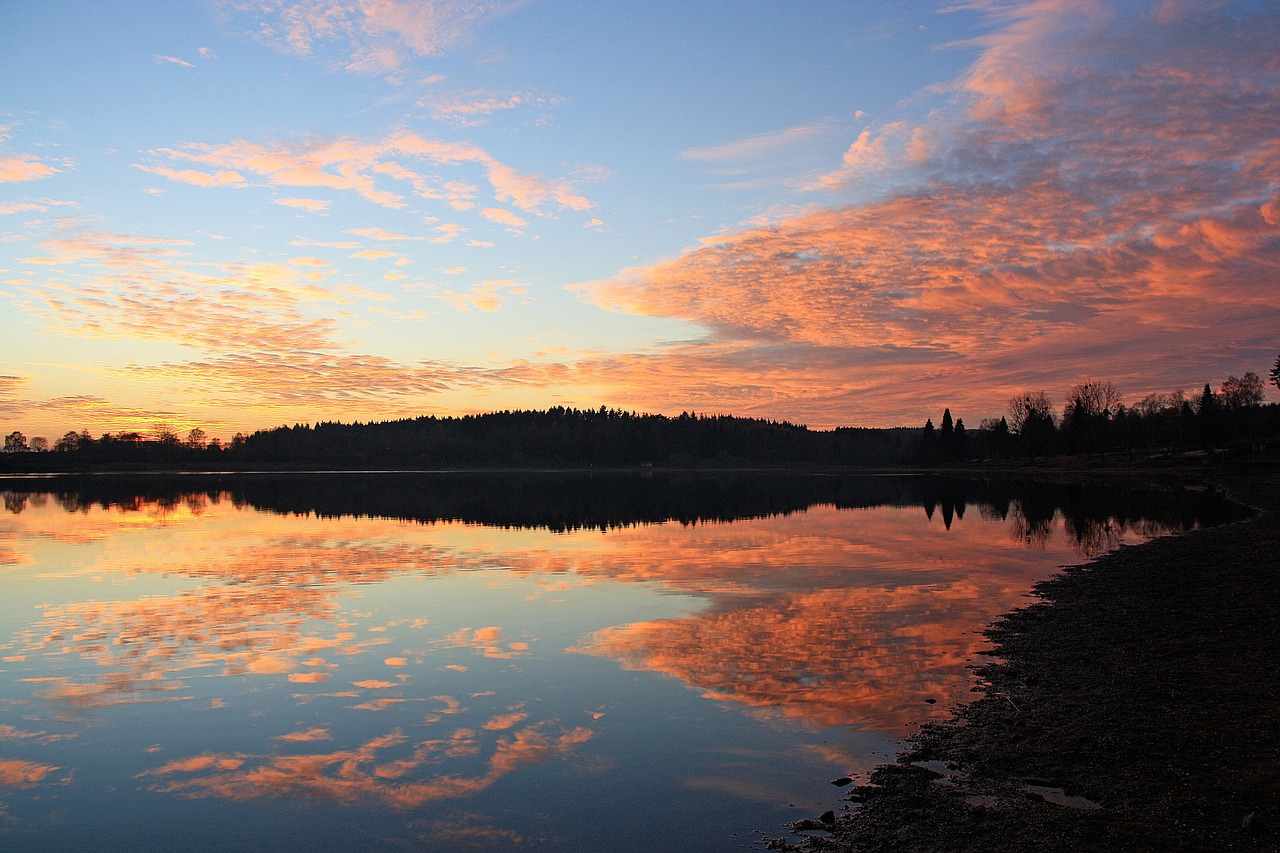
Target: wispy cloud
x=503, y=217
x=24, y=167
x=375, y=254
x=197, y=177
x=448, y=232
x=375, y=233
x=760, y=146
x=776, y=157
x=363, y=167
x=173, y=60
x=314, y=205
x=106, y=285
x=487, y=296
x=369, y=36
x=10, y=207
x=477, y=106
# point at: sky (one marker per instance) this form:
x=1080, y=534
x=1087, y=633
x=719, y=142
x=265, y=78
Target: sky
x=237, y=214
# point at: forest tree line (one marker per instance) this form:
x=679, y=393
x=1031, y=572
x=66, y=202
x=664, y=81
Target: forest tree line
x=1093, y=420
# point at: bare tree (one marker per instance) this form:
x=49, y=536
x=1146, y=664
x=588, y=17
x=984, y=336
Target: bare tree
x=1241, y=397
x=1033, y=407
x=165, y=434
x=1244, y=392
x=1092, y=399
x=1031, y=417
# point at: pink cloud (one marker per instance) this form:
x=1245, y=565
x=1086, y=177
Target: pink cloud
x=475, y=107
x=503, y=217
x=19, y=773
x=357, y=166
x=108, y=285
x=24, y=167
x=1101, y=192
x=313, y=205
x=370, y=36
x=488, y=296
x=195, y=176
x=171, y=59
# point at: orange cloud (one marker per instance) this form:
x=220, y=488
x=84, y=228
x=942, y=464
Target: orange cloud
x=380, y=234
x=194, y=176
x=357, y=166
x=9, y=207
x=18, y=773
x=1034, y=235
x=448, y=232
x=503, y=217
x=314, y=205
x=128, y=286
x=475, y=107
x=309, y=381
x=488, y=296
x=159, y=58
x=24, y=167
x=368, y=37
x=375, y=254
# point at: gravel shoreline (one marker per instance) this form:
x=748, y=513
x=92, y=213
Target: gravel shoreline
x=1136, y=706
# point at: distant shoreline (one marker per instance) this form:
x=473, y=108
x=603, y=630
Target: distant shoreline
x=1052, y=466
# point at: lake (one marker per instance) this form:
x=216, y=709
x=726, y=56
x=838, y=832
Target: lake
x=465, y=661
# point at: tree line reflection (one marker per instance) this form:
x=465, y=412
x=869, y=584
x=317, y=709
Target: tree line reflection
x=1094, y=515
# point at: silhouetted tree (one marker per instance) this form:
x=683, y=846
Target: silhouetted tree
x=1031, y=419
x=1087, y=415
x=166, y=435
x=929, y=442
x=15, y=442
x=1275, y=373
x=1241, y=397
x=1208, y=417
x=947, y=436
x=39, y=444
x=994, y=437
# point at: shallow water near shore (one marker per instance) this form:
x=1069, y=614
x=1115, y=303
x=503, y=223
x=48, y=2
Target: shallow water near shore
x=472, y=661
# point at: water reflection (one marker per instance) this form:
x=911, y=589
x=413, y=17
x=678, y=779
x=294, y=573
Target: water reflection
x=400, y=651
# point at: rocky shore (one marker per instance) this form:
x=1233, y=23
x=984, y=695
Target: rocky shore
x=1135, y=707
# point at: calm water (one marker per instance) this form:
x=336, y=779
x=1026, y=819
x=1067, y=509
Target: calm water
x=473, y=662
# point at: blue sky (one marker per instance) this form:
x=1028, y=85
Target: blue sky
x=237, y=214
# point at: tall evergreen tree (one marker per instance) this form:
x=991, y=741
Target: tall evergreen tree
x=947, y=435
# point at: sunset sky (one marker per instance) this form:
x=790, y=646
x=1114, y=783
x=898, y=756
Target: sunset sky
x=240, y=213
